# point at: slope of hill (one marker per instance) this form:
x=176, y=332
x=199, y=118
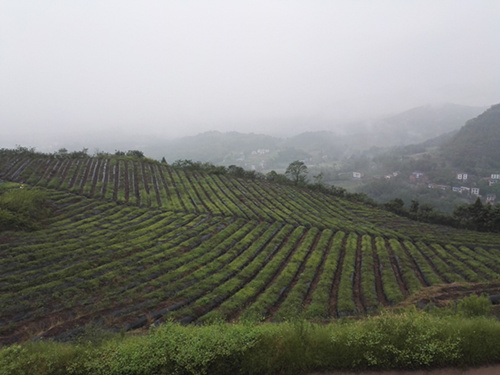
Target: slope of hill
x=215, y=147
x=135, y=242
x=413, y=126
x=477, y=144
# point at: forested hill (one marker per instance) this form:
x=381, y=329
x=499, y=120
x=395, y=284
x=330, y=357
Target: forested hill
x=476, y=146
x=408, y=127
x=132, y=242
x=416, y=125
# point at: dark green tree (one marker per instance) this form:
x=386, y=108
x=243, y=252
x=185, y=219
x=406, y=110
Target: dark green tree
x=318, y=179
x=135, y=154
x=297, y=172
x=273, y=176
x=397, y=206
x=414, y=205
x=236, y=171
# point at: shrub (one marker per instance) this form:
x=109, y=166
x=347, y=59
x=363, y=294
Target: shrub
x=474, y=306
x=39, y=358
x=404, y=340
x=408, y=340
x=21, y=209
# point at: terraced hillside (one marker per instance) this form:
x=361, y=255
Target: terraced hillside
x=135, y=242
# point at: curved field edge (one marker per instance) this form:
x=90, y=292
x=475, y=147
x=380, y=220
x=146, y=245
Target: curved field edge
x=126, y=267
x=149, y=184
x=208, y=248
x=407, y=340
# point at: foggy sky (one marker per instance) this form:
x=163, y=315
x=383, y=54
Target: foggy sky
x=175, y=68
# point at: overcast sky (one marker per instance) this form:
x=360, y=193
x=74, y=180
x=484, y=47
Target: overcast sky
x=176, y=68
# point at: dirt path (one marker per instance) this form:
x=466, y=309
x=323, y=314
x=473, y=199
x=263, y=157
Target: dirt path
x=378, y=276
x=336, y=280
x=357, y=290
x=487, y=370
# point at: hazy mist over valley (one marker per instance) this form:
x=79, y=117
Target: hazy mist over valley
x=249, y=187
x=126, y=74
x=345, y=87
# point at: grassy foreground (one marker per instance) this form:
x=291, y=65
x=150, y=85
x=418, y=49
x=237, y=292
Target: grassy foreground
x=404, y=340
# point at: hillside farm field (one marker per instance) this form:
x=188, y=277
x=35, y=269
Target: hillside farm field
x=132, y=242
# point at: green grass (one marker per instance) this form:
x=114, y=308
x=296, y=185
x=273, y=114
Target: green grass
x=406, y=339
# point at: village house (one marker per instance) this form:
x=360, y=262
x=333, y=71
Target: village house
x=493, y=179
x=418, y=177
x=459, y=189
x=391, y=175
x=437, y=186
x=465, y=189
x=462, y=176
x=474, y=191
x=357, y=175
x=491, y=198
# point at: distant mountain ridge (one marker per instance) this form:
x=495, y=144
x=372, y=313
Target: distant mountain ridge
x=215, y=147
x=477, y=144
x=414, y=126
x=265, y=152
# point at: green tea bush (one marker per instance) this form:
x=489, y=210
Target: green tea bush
x=9, y=220
x=474, y=306
x=22, y=209
x=39, y=358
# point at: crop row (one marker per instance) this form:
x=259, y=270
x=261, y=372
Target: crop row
x=152, y=185
x=97, y=258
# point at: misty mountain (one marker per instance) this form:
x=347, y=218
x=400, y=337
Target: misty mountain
x=215, y=147
x=260, y=151
x=249, y=150
x=413, y=126
x=477, y=144
x=320, y=143
x=416, y=148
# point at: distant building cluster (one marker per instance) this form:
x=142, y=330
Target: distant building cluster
x=467, y=183
x=419, y=177
x=260, y=151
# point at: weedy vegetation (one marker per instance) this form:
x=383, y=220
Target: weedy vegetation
x=462, y=336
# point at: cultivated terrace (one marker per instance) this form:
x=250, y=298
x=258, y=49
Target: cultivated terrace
x=132, y=242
